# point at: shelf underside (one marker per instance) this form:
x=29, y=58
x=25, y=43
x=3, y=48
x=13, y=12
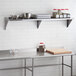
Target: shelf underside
x=40, y=20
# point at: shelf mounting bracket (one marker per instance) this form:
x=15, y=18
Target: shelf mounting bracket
x=38, y=23
x=6, y=22
x=68, y=22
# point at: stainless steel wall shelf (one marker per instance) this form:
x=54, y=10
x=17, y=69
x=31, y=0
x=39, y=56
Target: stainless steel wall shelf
x=40, y=20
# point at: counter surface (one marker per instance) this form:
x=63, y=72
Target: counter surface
x=29, y=53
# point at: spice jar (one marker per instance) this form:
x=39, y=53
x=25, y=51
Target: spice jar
x=41, y=47
x=68, y=15
x=58, y=14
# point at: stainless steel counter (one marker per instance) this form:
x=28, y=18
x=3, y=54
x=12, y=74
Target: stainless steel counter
x=32, y=54
x=28, y=53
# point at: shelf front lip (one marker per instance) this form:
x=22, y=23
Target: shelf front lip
x=42, y=19
x=15, y=57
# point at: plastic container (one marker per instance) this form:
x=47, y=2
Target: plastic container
x=13, y=51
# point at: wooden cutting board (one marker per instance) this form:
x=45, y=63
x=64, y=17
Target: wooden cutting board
x=58, y=51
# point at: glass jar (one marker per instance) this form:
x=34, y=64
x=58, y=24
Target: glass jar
x=41, y=47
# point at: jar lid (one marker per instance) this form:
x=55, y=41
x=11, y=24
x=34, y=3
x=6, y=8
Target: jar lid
x=41, y=43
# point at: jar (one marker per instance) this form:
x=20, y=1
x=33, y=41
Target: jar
x=57, y=15
x=41, y=47
x=59, y=11
x=65, y=15
x=68, y=15
x=61, y=16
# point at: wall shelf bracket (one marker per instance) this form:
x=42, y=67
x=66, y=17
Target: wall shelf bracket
x=38, y=23
x=68, y=22
x=6, y=22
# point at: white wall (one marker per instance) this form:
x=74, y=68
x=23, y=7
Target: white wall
x=24, y=34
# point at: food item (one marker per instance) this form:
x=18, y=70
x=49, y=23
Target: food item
x=58, y=51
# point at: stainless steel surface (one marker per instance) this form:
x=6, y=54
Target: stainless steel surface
x=52, y=19
x=32, y=54
x=29, y=53
x=29, y=67
x=39, y=20
x=24, y=67
x=62, y=66
x=71, y=65
x=67, y=65
x=36, y=66
x=32, y=66
x=12, y=68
